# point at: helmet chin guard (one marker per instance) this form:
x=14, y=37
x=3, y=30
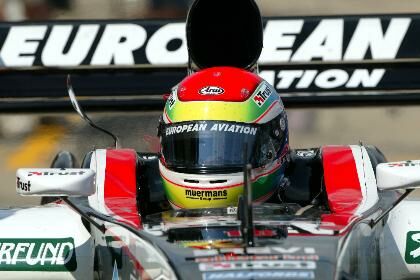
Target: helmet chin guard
x=193, y=191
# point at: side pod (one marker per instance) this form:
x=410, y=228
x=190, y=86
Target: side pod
x=400, y=242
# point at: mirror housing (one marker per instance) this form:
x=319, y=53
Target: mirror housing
x=55, y=182
x=398, y=175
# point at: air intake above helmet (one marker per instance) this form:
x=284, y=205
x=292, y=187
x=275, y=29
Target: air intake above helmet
x=224, y=33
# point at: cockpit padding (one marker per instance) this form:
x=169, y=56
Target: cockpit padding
x=304, y=173
x=151, y=196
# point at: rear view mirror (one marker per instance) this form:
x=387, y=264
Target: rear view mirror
x=55, y=182
x=398, y=175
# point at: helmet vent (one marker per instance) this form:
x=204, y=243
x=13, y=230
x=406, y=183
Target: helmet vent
x=218, y=181
x=191, y=181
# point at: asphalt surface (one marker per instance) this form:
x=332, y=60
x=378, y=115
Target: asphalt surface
x=395, y=131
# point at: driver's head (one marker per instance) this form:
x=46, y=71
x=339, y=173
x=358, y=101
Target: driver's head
x=215, y=122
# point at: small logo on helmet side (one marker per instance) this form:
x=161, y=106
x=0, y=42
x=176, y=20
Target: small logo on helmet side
x=211, y=90
x=262, y=95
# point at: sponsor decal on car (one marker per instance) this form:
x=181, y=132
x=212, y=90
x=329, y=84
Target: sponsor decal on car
x=48, y=173
x=412, y=247
x=46, y=254
x=101, y=44
x=279, y=264
x=211, y=90
x=232, y=210
x=209, y=244
x=305, y=153
x=328, y=79
x=257, y=233
x=272, y=250
x=285, y=40
x=368, y=39
x=268, y=274
x=26, y=187
x=93, y=44
x=206, y=194
x=222, y=258
x=404, y=163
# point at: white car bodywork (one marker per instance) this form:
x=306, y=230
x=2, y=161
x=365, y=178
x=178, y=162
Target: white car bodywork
x=51, y=242
x=48, y=242
x=400, y=242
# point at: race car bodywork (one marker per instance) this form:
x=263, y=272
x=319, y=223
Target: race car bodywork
x=47, y=242
x=341, y=216
x=332, y=227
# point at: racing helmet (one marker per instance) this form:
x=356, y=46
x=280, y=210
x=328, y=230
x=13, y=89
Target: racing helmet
x=214, y=123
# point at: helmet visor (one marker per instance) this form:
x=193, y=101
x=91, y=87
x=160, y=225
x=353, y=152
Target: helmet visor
x=214, y=146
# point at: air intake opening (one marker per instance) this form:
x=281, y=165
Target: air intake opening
x=191, y=181
x=224, y=33
x=218, y=181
